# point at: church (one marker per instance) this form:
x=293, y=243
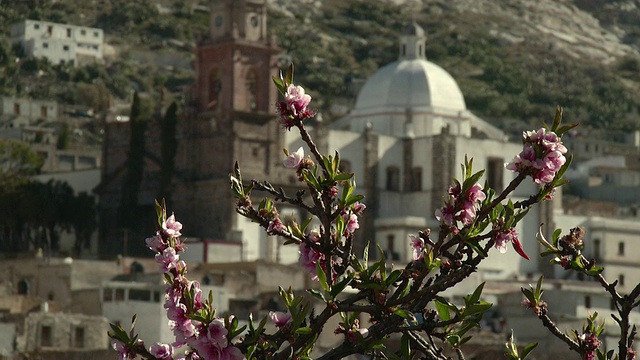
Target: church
x=404, y=139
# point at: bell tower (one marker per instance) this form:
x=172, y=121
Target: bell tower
x=231, y=115
x=235, y=63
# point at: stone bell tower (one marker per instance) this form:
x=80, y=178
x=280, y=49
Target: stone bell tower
x=231, y=115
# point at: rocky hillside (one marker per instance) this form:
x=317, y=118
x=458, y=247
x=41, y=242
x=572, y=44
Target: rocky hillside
x=514, y=59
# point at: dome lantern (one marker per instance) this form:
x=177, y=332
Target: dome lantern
x=413, y=42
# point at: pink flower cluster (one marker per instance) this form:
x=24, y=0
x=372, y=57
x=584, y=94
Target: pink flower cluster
x=184, y=298
x=461, y=206
x=295, y=107
x=542, y=156
x=592, y=343
x=309, y=256
x=502, y=238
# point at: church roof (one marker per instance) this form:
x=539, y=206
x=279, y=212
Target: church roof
x=415, y=84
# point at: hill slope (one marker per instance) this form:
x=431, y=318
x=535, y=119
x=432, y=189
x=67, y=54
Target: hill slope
x=513, y=59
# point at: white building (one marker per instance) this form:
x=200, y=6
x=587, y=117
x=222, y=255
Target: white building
x=405, y=140
x=121, y=299
x=59, y=43
x=16, y=112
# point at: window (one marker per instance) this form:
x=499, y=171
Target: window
x=621, y=248
x=65, y=48
x=43, y=112
x=46, y=336
x=391, y=248
x=45, y=45
x=393, y=178
x=36, y=26
x=215, y=86
x=621, y=280
x=68, y=32
x=78, y=339
x=107, y=295
x=96, y=34
x=252, y=90
x=83, y=32
x=587, y=302
x=415, y=182
x=139, y=295
x=495, y=172
x=23, y=287
x=596, y=249
x=16, y=109
x=119, y=294
x=49, y=30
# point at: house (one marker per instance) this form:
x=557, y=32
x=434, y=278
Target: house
x=59, y=43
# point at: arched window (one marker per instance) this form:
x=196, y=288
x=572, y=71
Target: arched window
x=215, y=87
x=23, y=287
x=252, y=90
x=393, y=178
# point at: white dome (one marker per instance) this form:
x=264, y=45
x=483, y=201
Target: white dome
x=410, y=84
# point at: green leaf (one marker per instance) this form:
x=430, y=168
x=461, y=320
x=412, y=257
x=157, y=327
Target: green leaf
x=289, y=76
x=317, y=294
x=353, y=199
x=527, y=349
x=343, y=176
x=365, y=255
x=442, y=307
x=405, y=346
x=322, y=277
x=475, y=297
x=303, y=330
x=393, y=276
x=405, y=314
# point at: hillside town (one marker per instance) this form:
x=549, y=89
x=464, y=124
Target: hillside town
x=404, y=134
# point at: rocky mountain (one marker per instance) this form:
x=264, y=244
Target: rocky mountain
x=515, y=60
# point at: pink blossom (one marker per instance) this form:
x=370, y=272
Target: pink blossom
x=445, y=215
x=124, y=353
x=309, y=256
x=275, y=227
x=167, y=259
x=475, y=193
x=294, y=159
x=502, y=238
x=418, y=247
x=295, y=107
x=296, y=99
x=171, y=227
x=215, y=334
x=352, y=223
x=155, y=242
x=231, y=353
x=280, y=318
x=359, y=208
x=161, y=351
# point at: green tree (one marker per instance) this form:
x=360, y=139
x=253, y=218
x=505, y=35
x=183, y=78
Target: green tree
x=168, y=149
x=83, y=220
x=135, y=164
